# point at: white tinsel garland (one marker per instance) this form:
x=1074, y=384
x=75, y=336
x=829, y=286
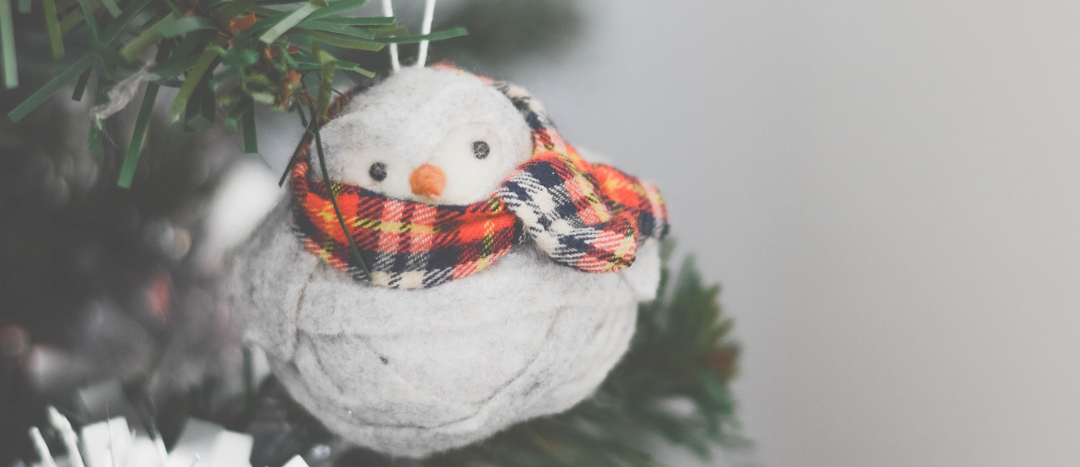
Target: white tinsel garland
x=111, y=443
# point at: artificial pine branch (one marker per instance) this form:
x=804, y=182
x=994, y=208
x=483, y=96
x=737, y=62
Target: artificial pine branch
x=224, y=56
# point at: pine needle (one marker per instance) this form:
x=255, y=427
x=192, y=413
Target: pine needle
x=142, y=123
x=7, y=46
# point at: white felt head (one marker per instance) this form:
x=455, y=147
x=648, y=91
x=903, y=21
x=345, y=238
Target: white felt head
x=428, y=135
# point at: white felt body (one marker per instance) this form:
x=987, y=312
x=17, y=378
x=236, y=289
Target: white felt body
x=412, y=372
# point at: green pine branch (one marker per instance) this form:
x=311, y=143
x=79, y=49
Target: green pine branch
x=224, y=56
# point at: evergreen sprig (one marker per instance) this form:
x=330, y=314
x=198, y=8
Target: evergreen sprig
x=224, y=56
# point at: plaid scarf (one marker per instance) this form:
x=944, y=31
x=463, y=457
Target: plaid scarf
x=591, y=217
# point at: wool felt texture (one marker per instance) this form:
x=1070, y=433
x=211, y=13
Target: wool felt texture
x=590, y=217
x=412, y=372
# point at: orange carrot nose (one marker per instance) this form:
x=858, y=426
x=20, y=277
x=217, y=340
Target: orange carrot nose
x=427, y=180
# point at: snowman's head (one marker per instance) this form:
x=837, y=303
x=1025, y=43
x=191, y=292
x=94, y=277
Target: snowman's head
x=435, y=136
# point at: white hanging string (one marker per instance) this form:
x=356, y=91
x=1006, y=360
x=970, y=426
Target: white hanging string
x=429, y=12
x=388, y=10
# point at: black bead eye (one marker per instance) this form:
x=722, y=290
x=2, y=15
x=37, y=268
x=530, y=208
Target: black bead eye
x=378, y=171
x=480, y=149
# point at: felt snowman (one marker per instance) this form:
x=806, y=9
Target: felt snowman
x=498, y=274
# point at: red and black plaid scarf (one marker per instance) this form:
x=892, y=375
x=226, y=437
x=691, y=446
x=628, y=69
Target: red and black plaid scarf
x=591, y=217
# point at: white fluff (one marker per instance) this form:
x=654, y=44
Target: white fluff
x=412, y=372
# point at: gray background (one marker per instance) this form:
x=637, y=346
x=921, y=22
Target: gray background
x=887, y=191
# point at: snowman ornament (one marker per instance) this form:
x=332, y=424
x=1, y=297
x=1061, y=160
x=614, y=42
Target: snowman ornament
x=500, y=271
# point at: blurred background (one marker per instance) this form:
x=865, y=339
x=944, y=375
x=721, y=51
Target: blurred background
x=888, y=192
